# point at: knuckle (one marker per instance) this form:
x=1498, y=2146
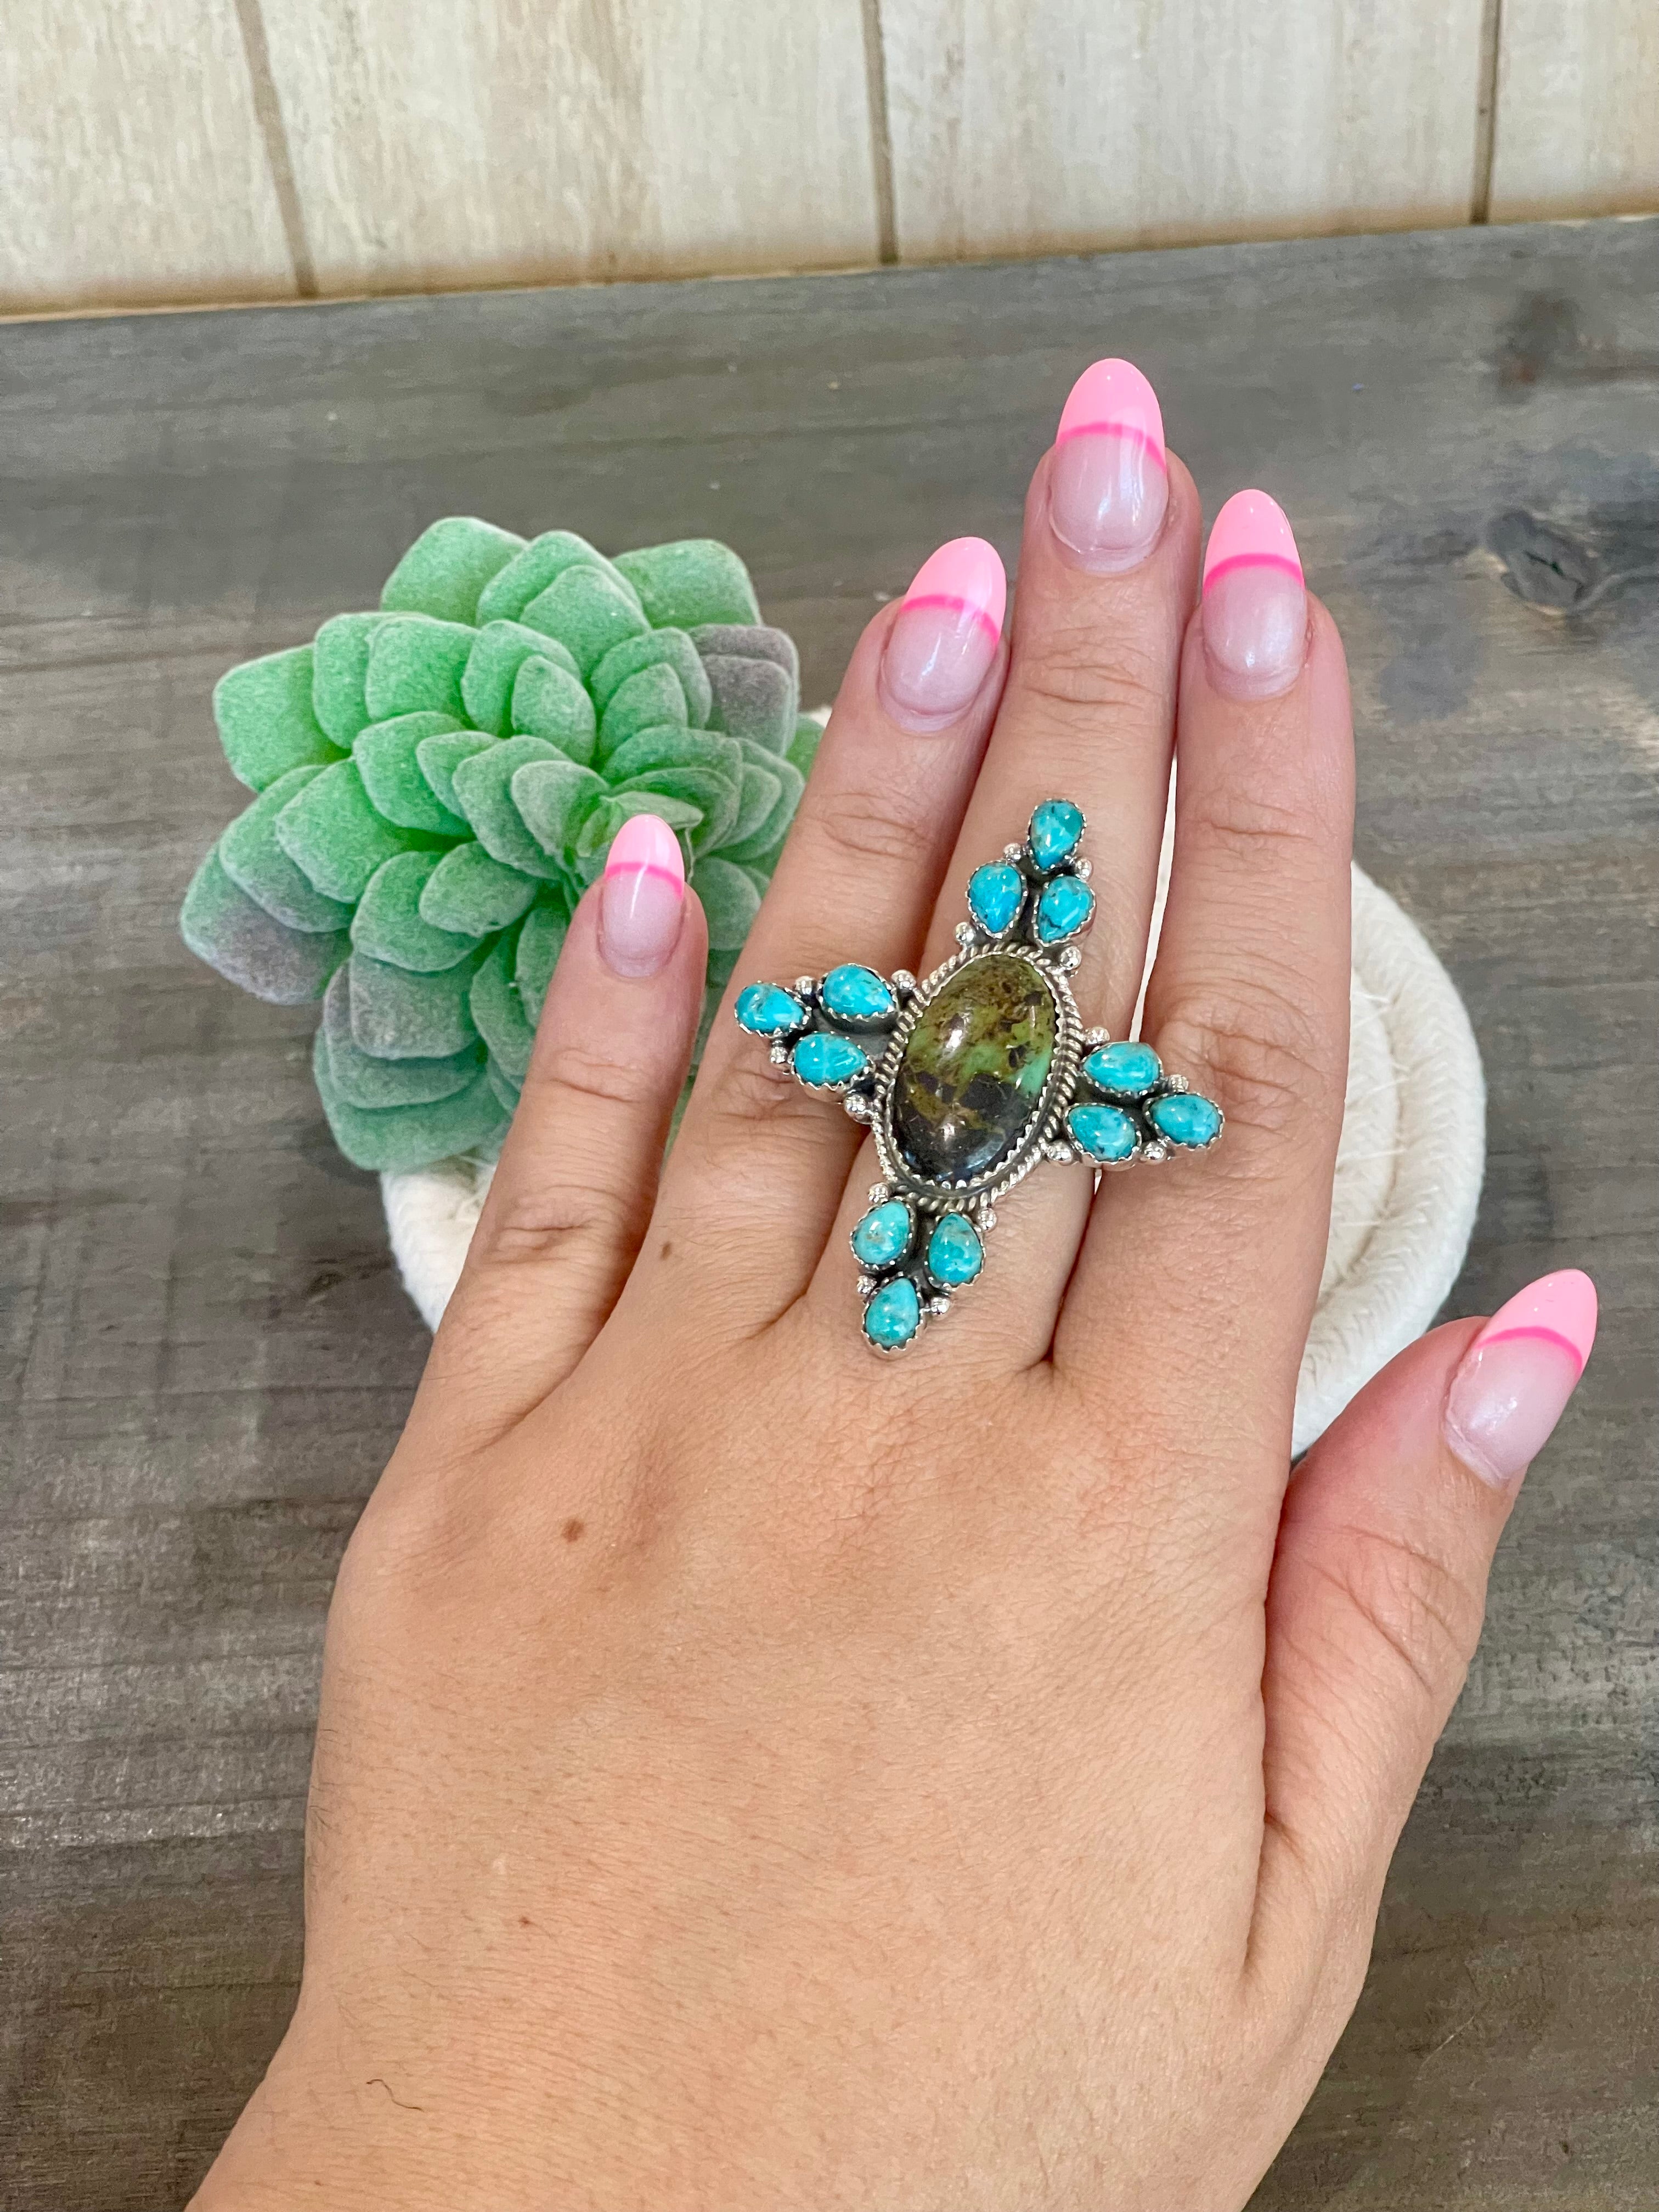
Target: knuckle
x=558, y=1218
x=748, y=1103
x=1076, y=677
x=1256, y=834
x=566, y=1075
x=862, y=826
x=1267, y=1053
x=1420, y=1613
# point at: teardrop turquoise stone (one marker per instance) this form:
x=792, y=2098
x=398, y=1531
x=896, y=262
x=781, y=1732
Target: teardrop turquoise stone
x=893, y=1314
x=883, y=1237
x=1123, y=1071
x=955, y=1255
x=1064, y=906
x=767, y=1009
x=974, y=1068
x=995, y=893
x=856, y=996
x=1186, y=1118
x=824, y=1059
x=1056, y=825
x=1106, y=1134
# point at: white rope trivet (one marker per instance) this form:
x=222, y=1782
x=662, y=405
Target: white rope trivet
x=1408, y=1169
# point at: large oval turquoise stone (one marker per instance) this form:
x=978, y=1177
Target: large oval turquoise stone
x=1106, y=1134
x=767, y=1009
x=995, y=893
x=825, y=1060
x=883, y=1237
x=1064, y=906
x=893, y=1314
x=1185, y=1118
x=973, y=1069
x=1056, y=825
x=857, y=996
x=955, y=1255
x=1123, y=1071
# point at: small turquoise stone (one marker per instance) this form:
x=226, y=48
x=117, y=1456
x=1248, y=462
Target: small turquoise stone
x=1123, y=1071
x=1185, y=1118
x=995, y=893
x=955, y=1255
x=826, y=1061
x=1064, y=906
x=1106, y=1134
x=883, y=1237
x=766, y=1010
x=857, y=996
x=1055, y=828
x=893, y=1314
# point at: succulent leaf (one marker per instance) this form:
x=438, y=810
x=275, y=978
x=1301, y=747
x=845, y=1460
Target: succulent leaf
x=387, y=758
x=498, y=652
x=256, y=864
x=267, y=725
x=436, y=780
x=448, y=566
x=549, y=702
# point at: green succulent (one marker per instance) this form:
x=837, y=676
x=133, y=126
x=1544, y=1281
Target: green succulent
x=437, y=783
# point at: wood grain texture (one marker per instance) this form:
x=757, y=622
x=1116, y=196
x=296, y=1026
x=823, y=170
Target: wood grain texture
x=204, y=1359
x=1060, y=126
x=132, y=168
x=494, y=141
x=1577, y=121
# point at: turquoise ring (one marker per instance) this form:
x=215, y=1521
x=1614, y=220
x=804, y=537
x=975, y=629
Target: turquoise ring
x=973, y=1077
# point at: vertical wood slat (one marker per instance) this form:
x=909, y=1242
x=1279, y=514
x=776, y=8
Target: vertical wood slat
x=132, y=168
x=491, y=142
x=1578, y=122
x=1062, y=124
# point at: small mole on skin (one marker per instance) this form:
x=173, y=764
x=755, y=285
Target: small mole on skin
x=667, y=1247
x=573, y=1530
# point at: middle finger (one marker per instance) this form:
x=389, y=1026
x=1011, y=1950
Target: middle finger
x=1107, y=575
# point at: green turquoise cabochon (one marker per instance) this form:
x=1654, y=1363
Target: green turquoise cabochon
x=437, y=782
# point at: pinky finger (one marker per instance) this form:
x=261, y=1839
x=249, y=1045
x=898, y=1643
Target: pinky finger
x=1376, y=1602
x=572, y=1194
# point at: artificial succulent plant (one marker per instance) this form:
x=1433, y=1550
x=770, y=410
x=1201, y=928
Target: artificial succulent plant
x=436, y=782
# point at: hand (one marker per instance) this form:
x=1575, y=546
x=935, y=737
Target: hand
x=750, y=1774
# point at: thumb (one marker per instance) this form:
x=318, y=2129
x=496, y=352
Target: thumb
x=1379, y=1584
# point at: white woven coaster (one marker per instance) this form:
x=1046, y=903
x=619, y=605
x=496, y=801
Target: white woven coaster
x=1408, y=1171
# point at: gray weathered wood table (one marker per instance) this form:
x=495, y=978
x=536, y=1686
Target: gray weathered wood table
x=206, y=1357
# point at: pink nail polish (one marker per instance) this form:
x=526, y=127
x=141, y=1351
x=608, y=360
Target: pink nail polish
x=943, y=644
x=1256, y=605
x=643, y=898
x=1518, y=1375
x=1109, y=485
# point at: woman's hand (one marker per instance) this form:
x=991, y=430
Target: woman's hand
x=752, y=1774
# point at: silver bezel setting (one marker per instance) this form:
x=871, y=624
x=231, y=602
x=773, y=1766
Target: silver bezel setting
x=868, y=1095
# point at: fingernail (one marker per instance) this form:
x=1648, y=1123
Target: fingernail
x=1518, y=1375
x=1109, y=484
x=643, y=898
x=1255, y=606
x=943, y=644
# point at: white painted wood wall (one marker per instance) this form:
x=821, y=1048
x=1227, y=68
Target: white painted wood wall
x=157, y=151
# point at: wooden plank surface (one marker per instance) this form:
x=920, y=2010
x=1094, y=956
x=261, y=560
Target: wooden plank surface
x=1578, y=120
x=133, y=165
x=1067, y=125
x=204, y=1358
x=494, y=142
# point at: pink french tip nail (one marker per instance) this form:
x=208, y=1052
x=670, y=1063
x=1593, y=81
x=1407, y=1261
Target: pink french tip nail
x=643, y=898
x=944, y=643
x=1255, y=603
x=1518, y=1375
x=1108, y=490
